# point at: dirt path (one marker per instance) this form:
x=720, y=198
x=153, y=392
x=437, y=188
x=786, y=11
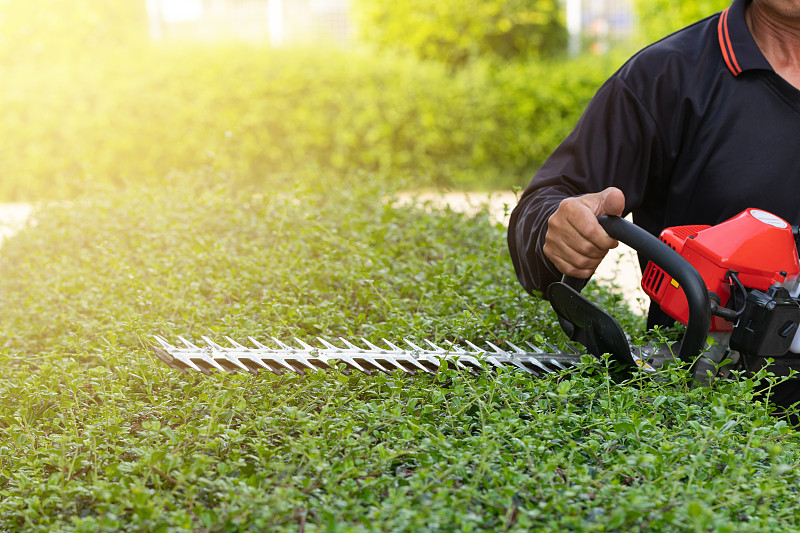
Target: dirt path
x=620, y=267
x=12, y=218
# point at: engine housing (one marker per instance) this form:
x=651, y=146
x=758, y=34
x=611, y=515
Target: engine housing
x=757, y=246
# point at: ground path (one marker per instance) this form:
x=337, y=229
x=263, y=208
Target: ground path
x=12, y=218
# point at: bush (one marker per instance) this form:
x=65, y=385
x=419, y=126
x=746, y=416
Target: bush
x=455, y=32
x=319, y=256
x=97, y=435
x=255, y=114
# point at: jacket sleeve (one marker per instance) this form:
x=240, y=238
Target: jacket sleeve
x=615, y=143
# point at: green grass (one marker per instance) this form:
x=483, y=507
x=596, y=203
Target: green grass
x=95, y=434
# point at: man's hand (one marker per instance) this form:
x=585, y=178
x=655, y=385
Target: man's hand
x=575, y=242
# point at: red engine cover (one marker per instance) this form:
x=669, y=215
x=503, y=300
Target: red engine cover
x=758, y=245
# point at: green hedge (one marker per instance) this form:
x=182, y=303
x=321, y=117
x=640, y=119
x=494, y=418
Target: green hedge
x=254, y=113
x=97, y=435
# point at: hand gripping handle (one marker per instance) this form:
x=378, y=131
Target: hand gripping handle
x=680, y=269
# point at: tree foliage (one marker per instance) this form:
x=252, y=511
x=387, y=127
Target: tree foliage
x=48, y=30
x=455, y=31
x=659, y=18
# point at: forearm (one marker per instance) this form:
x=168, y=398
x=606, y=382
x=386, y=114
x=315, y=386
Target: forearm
x=526, y=237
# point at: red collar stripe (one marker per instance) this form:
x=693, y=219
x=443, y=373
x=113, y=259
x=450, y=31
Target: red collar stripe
x=726, y=46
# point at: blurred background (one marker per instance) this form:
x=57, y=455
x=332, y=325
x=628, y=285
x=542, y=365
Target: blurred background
x=465, y=94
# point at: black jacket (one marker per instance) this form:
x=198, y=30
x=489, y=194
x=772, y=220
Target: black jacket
x=693, y=129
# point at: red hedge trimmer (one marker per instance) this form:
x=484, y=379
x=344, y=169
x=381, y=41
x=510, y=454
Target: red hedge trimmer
x=736, y=283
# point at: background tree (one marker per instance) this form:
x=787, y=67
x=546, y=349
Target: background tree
x=659, y=18
x=455, y=31
x=52, y=30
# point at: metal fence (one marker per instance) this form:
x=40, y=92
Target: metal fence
x=277, y=22
x=596, y=26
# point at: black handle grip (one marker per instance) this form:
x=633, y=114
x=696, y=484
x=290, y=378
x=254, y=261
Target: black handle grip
x=680, y=269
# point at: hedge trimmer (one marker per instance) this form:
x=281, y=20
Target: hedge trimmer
x=736, y=283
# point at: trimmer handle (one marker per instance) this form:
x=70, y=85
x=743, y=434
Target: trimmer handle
x=680, y=269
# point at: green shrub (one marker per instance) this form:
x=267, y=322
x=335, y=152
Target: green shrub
x=320, y=255
x=256, y=114
x=455, y=32
x=97, y=435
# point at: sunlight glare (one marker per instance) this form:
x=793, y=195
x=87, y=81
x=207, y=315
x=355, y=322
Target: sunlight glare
x=181, y=10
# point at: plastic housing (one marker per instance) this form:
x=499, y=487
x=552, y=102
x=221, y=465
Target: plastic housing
x=757, y=245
